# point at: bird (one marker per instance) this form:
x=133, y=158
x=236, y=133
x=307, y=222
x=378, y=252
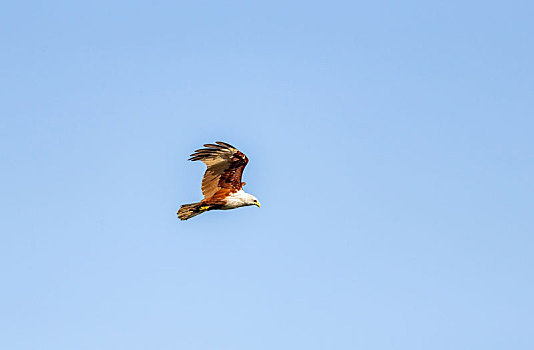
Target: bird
x=221, y=185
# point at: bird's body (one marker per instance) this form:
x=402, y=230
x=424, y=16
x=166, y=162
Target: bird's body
x=221, y=185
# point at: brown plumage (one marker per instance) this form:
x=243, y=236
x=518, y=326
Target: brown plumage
x=221, y=184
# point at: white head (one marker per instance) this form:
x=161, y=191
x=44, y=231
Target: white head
x=251, y=200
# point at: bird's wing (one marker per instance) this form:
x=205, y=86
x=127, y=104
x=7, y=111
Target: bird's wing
x=225, y=165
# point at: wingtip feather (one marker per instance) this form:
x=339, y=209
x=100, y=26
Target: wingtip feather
x=226, y=145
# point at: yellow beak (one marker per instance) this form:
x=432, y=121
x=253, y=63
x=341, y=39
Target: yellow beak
x=258, y=204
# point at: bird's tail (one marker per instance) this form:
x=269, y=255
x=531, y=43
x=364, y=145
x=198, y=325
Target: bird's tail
x=187, y=211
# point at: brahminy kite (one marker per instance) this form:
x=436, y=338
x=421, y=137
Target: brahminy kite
x=221, y=186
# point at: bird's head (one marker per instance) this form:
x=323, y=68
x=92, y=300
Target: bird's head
x=251, y=200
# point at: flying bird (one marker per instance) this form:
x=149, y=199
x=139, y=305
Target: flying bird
x=221, y=186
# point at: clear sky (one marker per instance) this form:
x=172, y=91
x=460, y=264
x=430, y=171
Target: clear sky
x=390, y=144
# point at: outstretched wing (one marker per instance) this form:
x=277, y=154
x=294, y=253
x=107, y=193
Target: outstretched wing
x=225, y=166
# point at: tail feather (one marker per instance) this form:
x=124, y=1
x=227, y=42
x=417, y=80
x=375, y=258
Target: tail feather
x=187, y=211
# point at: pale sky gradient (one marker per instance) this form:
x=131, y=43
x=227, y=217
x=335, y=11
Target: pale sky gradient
x=390, y=144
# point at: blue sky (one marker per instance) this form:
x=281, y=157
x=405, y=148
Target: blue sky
x=390, y=145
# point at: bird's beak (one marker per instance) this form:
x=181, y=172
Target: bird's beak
x=258, y=204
